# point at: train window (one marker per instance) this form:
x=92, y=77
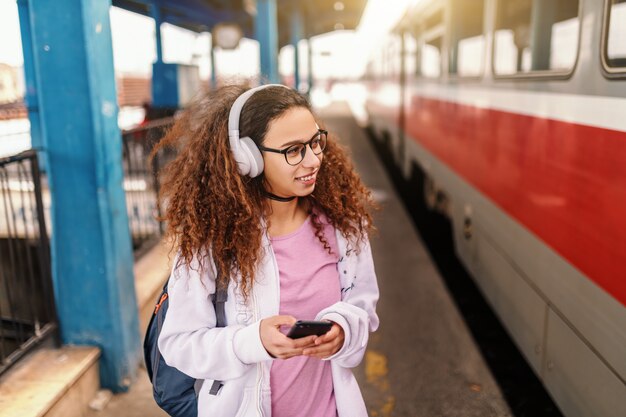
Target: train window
x=431, y=58
x=535, y=36
x=377, y=66
x=471, y=52
x=429, y=32
x=467, y=42
x=614, y=54
x=397, y=55
x=410, y=49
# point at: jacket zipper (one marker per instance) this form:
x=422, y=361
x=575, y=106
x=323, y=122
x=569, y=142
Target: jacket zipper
x=277, y=285
x=259, y=397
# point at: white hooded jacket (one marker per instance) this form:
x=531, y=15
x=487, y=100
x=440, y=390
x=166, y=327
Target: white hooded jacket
x=235, y=355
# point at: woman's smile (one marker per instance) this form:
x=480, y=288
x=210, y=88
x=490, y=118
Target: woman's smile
x=308, y=179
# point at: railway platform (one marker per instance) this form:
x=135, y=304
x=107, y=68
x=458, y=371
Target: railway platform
x=493, y=154
x=422, y=361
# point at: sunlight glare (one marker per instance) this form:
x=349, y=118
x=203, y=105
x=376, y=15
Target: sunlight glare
x=379, y=17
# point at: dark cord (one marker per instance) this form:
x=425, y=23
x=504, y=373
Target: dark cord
x=277, y=198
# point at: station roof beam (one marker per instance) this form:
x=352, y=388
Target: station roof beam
x=195, y=15
x=319, y=17
x=274, y=23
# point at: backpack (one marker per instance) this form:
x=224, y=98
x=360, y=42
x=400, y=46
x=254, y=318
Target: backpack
x=173, y=390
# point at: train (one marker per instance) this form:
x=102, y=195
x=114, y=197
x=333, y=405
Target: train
x=509, y=117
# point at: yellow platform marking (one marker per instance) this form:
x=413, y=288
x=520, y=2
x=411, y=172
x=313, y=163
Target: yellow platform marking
x=376, y=373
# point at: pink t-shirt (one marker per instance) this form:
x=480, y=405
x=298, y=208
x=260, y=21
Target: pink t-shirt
x=309, y=282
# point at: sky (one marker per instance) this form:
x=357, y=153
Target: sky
x=337, y=54
x=11, y=45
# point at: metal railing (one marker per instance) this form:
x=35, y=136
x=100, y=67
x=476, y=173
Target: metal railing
x=27, y=310
x=141, y=183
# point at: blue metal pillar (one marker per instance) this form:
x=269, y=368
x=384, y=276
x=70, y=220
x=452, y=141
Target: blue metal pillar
x=155, y=12
x=92, y=257
x=164, y=76
x=296, y=35
x=36, y=137
x=266, y=32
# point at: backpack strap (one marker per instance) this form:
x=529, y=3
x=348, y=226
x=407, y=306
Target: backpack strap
x=220, y=311
x=219, y=301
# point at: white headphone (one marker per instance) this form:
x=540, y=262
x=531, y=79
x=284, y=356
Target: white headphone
x=247, y=155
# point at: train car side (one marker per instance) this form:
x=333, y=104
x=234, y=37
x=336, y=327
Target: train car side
x=531, y=165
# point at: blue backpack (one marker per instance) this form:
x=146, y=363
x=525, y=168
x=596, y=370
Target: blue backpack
x=173, y=390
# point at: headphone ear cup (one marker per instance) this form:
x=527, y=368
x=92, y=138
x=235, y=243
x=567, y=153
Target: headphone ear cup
x=253, y=155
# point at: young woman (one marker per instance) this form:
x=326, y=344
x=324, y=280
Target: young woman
x=261, y=200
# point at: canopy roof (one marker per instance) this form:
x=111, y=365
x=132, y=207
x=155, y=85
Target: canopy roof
x=318, y=16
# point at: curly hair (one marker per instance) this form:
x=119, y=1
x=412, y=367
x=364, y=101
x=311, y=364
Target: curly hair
x=211, y=209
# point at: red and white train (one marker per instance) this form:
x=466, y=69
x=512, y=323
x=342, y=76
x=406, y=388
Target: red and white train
x=515, y=110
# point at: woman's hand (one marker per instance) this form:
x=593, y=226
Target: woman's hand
x=276, y=343
x=327, y=344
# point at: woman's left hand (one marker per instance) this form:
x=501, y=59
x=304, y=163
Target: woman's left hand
x=327, y=344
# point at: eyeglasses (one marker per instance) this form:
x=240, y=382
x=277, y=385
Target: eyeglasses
x=294, y=154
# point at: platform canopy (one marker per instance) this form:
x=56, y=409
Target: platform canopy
x=318, y=16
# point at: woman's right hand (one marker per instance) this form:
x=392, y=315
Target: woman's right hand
x=276, y=343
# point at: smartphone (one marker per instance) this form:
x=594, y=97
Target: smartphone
x=304, y=328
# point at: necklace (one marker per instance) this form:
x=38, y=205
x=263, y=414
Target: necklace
x=277, y=198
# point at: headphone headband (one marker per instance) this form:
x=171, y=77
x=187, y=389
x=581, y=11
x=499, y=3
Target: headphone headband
x=248, y=157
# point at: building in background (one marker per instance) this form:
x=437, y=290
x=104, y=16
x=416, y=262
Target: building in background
x=11, y=84
x=133, y=89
